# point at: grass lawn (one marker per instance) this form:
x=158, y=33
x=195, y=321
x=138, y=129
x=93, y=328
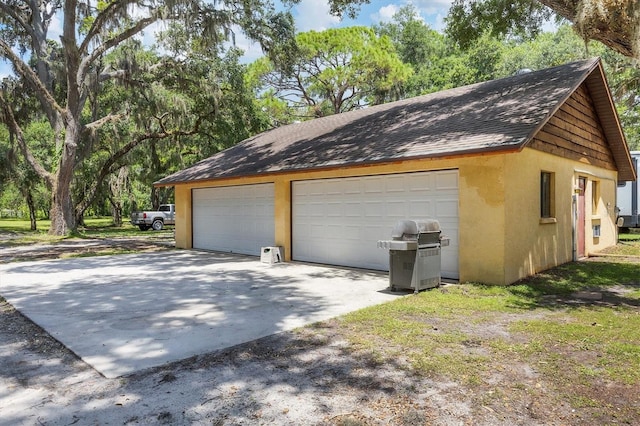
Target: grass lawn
x=95, y=227
x=119, y=240
x=566, y=341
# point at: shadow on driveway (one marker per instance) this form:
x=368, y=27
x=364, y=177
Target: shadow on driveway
x=126, y=313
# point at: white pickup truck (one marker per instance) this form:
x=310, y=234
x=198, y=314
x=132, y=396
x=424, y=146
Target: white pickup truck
x=165, y=215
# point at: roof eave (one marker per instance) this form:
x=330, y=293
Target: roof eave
x=610, y=121
x=503, y=149
x=596, y=82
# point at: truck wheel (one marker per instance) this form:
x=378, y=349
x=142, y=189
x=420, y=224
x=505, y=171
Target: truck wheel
x=157, y=225
x=143, y=227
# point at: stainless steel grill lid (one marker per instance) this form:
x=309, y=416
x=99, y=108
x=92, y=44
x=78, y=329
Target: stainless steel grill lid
x=410, y=229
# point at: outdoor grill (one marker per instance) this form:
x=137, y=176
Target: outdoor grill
x=414, y=254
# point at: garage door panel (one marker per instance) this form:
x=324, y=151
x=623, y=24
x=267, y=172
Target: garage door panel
x=373, y=186
x=352, y=233
x=417, y=209
x=352, y=209
x=395, y=184
x=334, y=209
x=238, y=219
x=357, y=212
x=447, y=208
x=446, y=181
x=396, y=207
x=416, y=184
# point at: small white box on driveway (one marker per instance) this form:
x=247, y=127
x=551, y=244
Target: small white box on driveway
x=271, y=255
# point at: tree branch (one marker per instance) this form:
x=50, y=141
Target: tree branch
x=27, y=73
x=107, y=167
x=620, y=42
x=113, y=42
x=103, y=17
x=13, y=13
x=95, y=125
x=10, y=120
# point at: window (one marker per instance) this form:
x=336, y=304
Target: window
x=596, y=231
x=547, y=195
x=595, y=196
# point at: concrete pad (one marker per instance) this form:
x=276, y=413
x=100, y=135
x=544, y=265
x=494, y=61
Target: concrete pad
x=126, y=313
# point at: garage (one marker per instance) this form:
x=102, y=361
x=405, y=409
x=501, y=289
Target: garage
x=234, y=219
x=338, y=221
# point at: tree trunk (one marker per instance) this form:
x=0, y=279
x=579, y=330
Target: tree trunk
x=32, y=210
x=155, y=198
x=63, y=218
x=62, y=214
x=116, y=212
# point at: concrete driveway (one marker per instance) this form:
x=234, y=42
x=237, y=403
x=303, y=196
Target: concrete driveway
x=126, y=313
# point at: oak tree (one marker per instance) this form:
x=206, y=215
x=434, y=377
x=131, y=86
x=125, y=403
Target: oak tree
x=62, y=75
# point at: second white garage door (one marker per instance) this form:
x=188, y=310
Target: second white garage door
x=339, y=221
x=235, y=219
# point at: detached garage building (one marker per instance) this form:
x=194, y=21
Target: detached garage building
x=521, y=172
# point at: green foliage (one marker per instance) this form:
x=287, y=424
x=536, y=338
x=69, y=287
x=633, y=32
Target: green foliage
x=468, y=19
x=436, y=63
x=416, y=43
x=624, y=79
x=546, y=50
x=187, y=97
x=333, y=71
x=440, y=64
x=178, y=112
x=19, y=182
x=614, y=23
x=104, y=95
x=5, y=160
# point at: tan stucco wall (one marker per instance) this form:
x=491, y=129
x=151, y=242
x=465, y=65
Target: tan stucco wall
x=481, y=194
x=493, y=250
x=183, y=216
x=533, y=245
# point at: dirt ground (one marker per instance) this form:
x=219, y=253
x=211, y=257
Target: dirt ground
x=312, y=376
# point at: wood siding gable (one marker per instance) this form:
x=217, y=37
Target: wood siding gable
x=575, y=132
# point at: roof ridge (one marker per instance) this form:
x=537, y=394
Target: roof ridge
x=419, y=98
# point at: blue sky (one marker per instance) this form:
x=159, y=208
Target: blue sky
x=314, y=15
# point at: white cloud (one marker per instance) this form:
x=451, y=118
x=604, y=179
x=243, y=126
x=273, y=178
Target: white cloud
x=148, y=36
x=432, y=7
x=432, y=12
x=55, y=27
x=252, y=50
x=438, y=23
x=385, y=13
x=314, y=15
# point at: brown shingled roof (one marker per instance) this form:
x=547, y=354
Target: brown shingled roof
x=496, y=115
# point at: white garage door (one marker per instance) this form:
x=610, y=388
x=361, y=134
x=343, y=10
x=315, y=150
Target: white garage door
x=339, y=221
x=236, y=219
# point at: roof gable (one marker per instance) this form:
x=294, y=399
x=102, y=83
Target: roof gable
x=497, y=115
